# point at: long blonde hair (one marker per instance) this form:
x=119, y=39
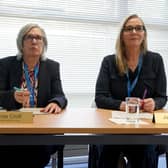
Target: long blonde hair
x=120, y=46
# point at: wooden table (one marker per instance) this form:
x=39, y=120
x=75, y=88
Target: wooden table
x=80, y=126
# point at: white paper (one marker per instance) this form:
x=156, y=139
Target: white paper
x=125, y=121
x=123, y=115
x=33, y=110
x=120, y=117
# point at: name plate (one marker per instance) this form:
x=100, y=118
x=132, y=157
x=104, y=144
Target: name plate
x=16, y=116
x=161, y=118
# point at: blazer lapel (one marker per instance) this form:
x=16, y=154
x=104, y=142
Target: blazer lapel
x=16, y=73
x=43, y=85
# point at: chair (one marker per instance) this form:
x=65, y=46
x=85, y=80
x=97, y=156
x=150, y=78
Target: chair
x=162, y=149
x=57, y=158
x=166, y=159
x=93, y=104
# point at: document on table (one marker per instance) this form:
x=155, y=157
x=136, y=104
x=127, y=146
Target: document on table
x=125, y=121
x=120, y=117
x=122, y=114
x=33, y=110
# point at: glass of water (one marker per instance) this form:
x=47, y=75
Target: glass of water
x=132, y=109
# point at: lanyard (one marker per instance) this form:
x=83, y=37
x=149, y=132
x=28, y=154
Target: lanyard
x=131, y=86
x=30, y=86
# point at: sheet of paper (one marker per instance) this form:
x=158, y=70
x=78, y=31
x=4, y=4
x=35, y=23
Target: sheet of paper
x=125, y=121
x=123, y=115
x=120, y=117
x=34, y=110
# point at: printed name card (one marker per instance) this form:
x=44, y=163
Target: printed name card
x=16, y=116
x=161, y=118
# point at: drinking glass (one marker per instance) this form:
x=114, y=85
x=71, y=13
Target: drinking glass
x=132, y=109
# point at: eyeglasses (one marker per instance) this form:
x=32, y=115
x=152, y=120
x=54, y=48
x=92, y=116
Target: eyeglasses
x=138, y=28
x=31, y=37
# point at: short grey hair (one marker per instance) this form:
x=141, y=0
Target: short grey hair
x=23, y=31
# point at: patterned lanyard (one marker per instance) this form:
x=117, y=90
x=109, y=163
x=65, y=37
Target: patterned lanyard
x=31, y=85
x=131, y=86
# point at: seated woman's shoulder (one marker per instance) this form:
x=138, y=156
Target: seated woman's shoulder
x=154, y=54
x=8, y=59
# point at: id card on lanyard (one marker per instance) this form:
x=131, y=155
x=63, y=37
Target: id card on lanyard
x=30, y=85
x=131, y=86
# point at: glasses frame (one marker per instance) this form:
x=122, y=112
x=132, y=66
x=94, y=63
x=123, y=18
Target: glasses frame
x=30, y=37
x=137, y=28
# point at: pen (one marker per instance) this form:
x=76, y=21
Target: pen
x=145, y=93
x=17, y=89
x=144, y=96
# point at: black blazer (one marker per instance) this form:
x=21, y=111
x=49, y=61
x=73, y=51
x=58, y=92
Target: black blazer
x=49, y=83
x=111, y=88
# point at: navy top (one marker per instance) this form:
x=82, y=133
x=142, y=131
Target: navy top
x=111, y=87
x=49, y=83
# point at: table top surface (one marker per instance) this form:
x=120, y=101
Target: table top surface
x=80, y=120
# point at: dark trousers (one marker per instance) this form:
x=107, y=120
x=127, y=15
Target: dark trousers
x=24, y=156
x=138, y=156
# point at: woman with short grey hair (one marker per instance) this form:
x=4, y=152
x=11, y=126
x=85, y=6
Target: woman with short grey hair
x=21, y=35
x=30, y=80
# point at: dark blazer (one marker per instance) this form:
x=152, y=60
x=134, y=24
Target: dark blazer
x=111, y=87
x=49, y=83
